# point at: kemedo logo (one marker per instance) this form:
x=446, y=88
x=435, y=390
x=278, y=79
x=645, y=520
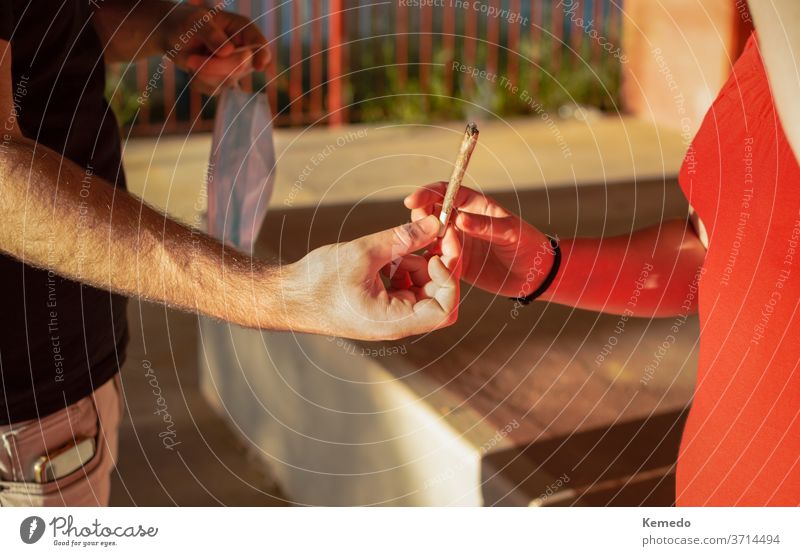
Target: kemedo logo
x=31, y=529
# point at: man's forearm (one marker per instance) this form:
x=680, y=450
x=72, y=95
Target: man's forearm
x=132, y=29
x=652, y=272
x=58, y=216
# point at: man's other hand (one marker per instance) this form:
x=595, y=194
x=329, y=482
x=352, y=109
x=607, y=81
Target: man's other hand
x=217, y=47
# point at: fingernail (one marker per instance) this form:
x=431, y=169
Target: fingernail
x=430, y=224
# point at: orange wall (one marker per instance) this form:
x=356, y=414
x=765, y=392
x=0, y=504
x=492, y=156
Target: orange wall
x=680, y=53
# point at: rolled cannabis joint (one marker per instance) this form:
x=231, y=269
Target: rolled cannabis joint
x=464, y=153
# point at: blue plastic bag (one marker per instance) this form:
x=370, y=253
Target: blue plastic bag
x=241, y=173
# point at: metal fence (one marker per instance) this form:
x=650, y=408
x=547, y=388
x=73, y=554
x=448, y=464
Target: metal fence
x=337, y=61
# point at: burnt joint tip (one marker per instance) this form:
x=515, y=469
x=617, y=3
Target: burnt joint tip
x=472, y=128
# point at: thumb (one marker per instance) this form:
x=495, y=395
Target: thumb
x=388, y=245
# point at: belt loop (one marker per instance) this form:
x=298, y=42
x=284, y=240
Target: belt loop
x=8, y=438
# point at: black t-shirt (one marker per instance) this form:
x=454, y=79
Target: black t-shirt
x=59, y=340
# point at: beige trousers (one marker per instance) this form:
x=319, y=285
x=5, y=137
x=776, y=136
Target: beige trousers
x=22, y=444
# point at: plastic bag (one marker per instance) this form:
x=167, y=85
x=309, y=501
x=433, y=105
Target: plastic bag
x=241, y=173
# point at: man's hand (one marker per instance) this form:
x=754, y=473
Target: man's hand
x=502, y=253
x=338, y=289
x=113, y=241
x=217, y=47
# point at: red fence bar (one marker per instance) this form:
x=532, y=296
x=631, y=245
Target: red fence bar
x=449, y=44
x=471, y=32
x=171, y=123
x=615, y=21
x=576, y=34
x=537, y=21
x=513, y=45
x=557, y=28
x=597, y=18
x=316, y=60
x=470, y=44
x=493, y=36
x=426, y=46
x=401, y=44
x=336, y=50
x=274, y=47
x=296, y=96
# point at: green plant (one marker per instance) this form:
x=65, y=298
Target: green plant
x=541, y=83
x=122, y=98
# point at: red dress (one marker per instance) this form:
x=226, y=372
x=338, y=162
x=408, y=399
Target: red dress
x=741, y=445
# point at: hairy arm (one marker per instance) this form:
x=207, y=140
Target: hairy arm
x=56, y=215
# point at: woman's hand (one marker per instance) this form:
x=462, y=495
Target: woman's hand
x=501, y=253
